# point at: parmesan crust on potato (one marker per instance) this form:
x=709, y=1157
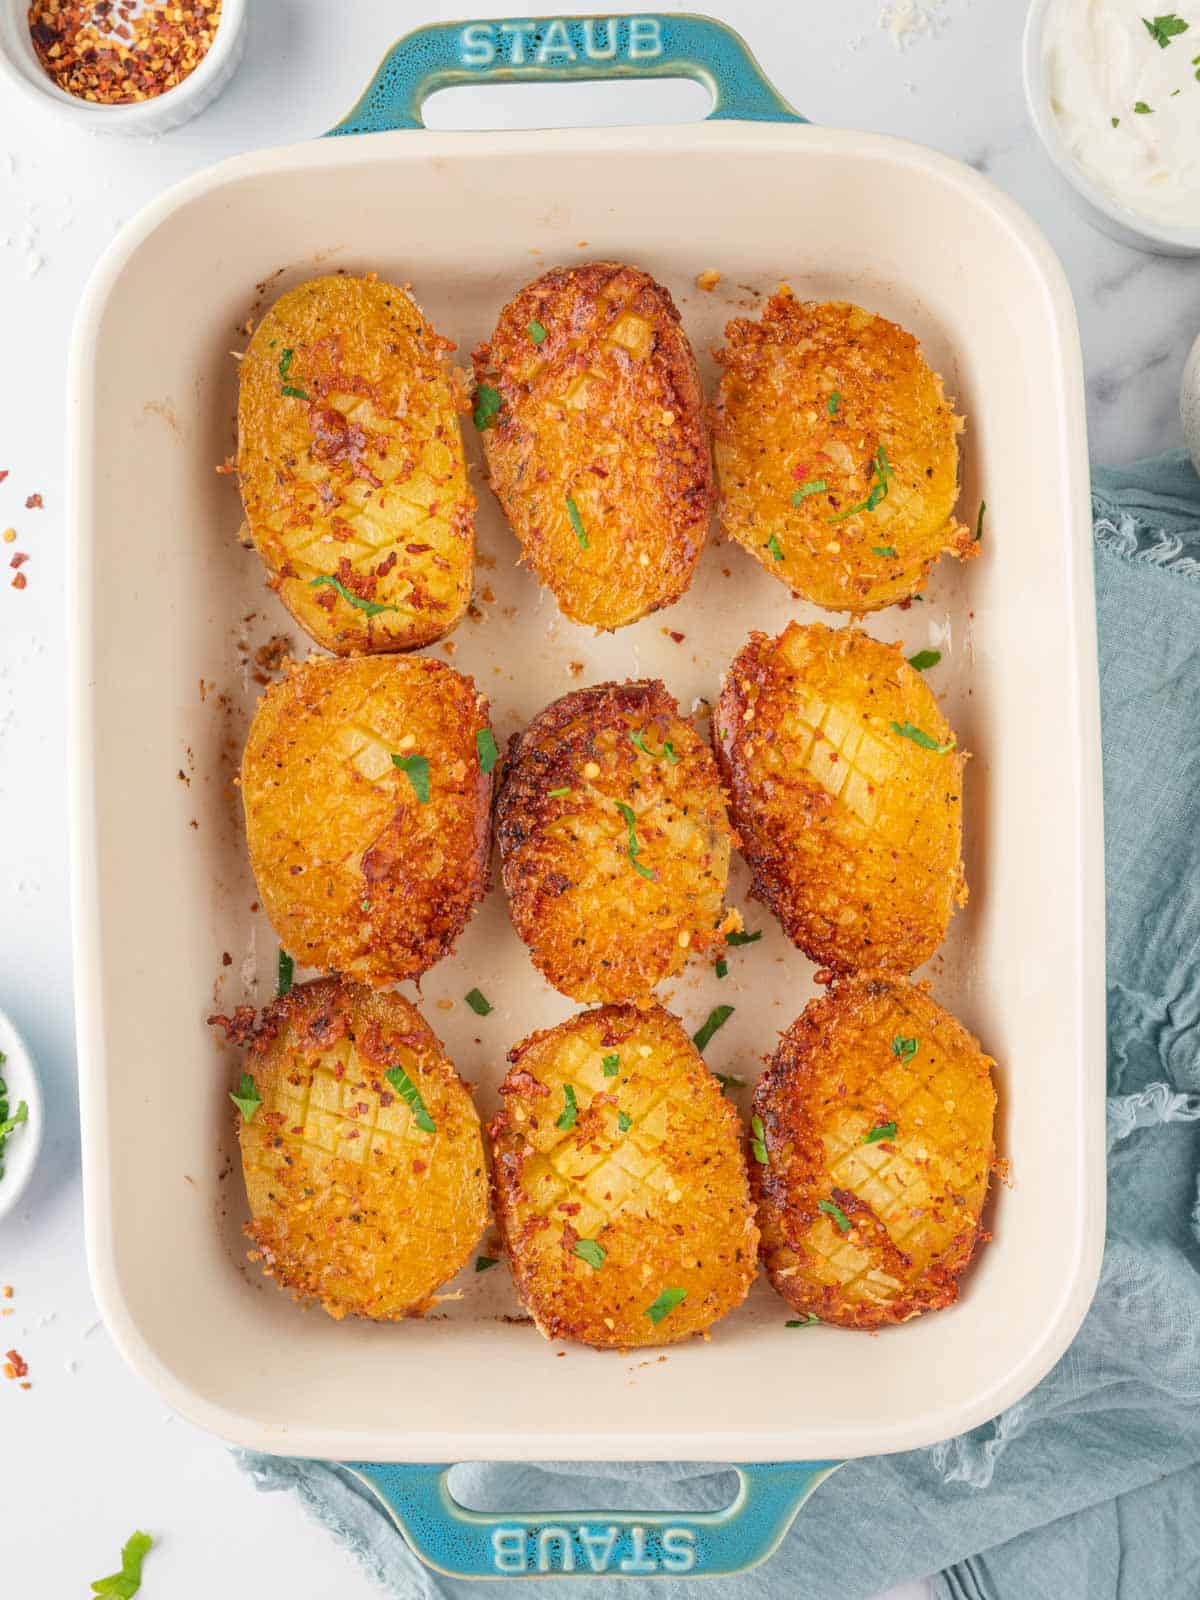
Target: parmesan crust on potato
x=368, y=812
x=592, y=421
x=364, y=1161
x=836, y=453
x=846, y=789
x=614, y=842
x=620, y=1184
x=877, y=1126
x=350, y=460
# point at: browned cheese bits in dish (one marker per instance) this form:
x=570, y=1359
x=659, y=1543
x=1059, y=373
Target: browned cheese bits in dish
x=614, y=842
x=836, y=453
x=874, y=1127
x=592, y=419
x=368, y=812
x=351, y=465
x=620, y=1183
x=846, y=787
x=362, y=1152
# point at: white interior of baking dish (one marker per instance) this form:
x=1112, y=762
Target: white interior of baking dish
x=167, y=605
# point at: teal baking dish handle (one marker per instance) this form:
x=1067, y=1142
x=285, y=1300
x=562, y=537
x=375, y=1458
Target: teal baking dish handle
x=594, y=1544
x=567, y=50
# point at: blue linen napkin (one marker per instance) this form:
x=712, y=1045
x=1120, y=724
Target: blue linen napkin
x=1089, y=1487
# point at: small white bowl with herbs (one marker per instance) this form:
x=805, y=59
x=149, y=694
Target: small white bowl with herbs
x=21, y=1119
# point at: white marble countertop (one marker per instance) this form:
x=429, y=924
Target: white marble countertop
x=87, y=1425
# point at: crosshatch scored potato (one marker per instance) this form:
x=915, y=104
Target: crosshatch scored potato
x=350, y=460
x=614, y=841
x=877, y=1113
x=366, y=1191
x=836, y=453
x=846, y=790
x=368, y=812
x=620, y=1182
x=592, y=420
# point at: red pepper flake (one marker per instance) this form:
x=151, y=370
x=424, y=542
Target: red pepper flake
x=3, y=475
x=19, y=580
x=14, y=1365
x=19, y=559
x=115, y=60
x=34, y=503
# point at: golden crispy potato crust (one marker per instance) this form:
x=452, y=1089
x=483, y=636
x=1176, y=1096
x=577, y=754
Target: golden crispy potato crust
x=614, y=842
x=606, y=412
x=851, y=828
x=821, y=409
x=632, y=1185
x=351, y=465
x=864, y=1223
x=357, y=870
x=352, y=1201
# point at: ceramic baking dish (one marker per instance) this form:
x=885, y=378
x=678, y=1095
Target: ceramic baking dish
x=167, y=612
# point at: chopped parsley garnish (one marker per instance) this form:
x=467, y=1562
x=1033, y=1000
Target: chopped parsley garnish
x=487, y=407
x=758, y=1143
x=246, y=1096
x=371, y=607
x=1142, y=109
x=908, y=730
x=285, y=362
x=633, y=845
x=1163, y=29
x=1116, y=122
x=818, y=486
x=576, y=522
x=624, y=1121
x=665, y=1304
x=612, y=1065
x=979, y=522
x=291, y=391
x=836, y=1212
x=728, y=1080
x=478, y=1002
x=722, y=968
x=482, y=1263
x=904, y=1048
x=774, y=547
x=536, y=331
x=925, y=659
x=416, y=770
x=667, y=753
x=411, y=1095
x=743, y=938
x=717, y=1018
x=832, y=404
x=802, y=1322
x=591, y=1252
x=20, y=1115
x=877, y=492
x=881, y=1130
x=570, y=1111
x=287, y=971
x=485, y=748
x=126, y=1583
x=883, y=550
x=557, y=794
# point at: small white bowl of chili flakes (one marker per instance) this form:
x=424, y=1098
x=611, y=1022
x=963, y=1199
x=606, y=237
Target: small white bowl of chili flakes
x=122, y=66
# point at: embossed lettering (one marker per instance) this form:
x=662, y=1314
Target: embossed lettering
x=637, y=1560
x=556, y=1553
x=599, y=1547
x=556, y=42
x=591, y=46
x=477, y=47
x=679, y=1549
x=519, y=31
x=508, y=1549
x=645, y=38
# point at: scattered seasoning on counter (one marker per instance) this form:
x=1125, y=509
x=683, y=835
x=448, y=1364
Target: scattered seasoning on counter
x=115, y=52
x=34, y=502
x=15, y=1367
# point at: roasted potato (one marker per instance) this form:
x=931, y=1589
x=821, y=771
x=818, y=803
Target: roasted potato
x=836, y=453
x=846, y=789
x=620, y=1184
x=592, y=419
x=351, y=466
x=367, y=812
x=875, y=1120
x=614, y=843
x=364, y=1161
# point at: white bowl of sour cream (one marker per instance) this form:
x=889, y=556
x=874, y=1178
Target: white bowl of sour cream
x=1113, y=88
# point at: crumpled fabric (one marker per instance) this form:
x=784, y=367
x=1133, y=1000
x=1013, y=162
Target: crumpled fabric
x=1089, y=1487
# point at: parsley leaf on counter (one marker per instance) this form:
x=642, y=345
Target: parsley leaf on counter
x=287, y=971
x=126, y=1583
x=717, y=1018
x=482, y=1263
x=478, y=1002
x=924, y=659
x=1163, y=29
x=743, y=938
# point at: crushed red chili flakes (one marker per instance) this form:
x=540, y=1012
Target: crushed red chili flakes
x=19, y=580
x=19, y=559
x=14, y=1365
x=34, y=502
x=114, y=52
